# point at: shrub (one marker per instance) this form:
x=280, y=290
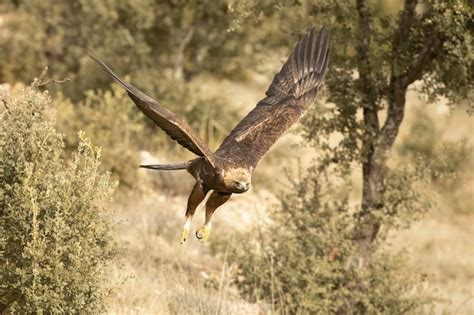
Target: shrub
x=55, y=236
x=299, y=262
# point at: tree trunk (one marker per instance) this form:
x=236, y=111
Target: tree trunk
x=374, y=170
x=377, y=142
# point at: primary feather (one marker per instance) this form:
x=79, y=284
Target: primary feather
x=291, y=92
x=175, y=127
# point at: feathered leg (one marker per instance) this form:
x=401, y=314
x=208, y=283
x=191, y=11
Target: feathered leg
x=216, y=200
x=195, y=198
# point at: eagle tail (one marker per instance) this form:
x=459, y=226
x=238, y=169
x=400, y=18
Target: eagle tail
x=167, y=167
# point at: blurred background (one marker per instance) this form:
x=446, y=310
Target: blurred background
x=211, y=62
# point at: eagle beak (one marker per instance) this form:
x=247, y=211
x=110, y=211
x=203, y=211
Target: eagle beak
x=243, y=186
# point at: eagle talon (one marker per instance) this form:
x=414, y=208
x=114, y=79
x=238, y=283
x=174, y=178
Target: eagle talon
x=184, y=235
x=202, y=233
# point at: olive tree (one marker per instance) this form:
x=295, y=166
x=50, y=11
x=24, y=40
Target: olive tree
x=429, y=43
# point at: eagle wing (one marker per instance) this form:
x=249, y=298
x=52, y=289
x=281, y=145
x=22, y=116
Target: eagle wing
x=178, y=129
x=290, y=94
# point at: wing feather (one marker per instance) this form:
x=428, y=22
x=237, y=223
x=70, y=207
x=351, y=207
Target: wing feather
x=175, y=127
x=290, y=94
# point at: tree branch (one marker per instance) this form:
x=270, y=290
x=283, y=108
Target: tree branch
x=179, y=59
x=4, y=102
x=402, y=34
x=398, y=88
x=364, y=38
x=367, y=82
x=406, y=20
x=376, y=142
x=371, y=170
x=430, y=48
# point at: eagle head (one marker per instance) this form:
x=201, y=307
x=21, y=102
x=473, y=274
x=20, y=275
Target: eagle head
x=236, y=180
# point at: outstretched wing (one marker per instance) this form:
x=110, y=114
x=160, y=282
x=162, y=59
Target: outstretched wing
x=289, y=96
x=174, y=126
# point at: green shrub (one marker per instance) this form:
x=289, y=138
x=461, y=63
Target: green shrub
x=299, y=262
x=55, y=238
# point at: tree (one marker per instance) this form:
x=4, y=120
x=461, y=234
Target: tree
x=426, y=46
x=149, y=40
x=298, y=262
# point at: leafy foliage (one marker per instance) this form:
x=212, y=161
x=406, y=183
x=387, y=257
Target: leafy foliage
x=390, y=56
x=178, y=38
x=110, y=119
x=56, y=240
x=395, y=39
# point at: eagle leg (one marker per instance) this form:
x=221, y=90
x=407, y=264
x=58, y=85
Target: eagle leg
x=195, y=198
x=216, y=200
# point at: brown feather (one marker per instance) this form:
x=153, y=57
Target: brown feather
x=289, y=96
x=175, y=127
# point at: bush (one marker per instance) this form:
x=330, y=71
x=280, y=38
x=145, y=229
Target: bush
x=55, y=238
x=299, y=263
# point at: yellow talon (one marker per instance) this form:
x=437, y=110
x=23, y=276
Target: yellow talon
x=203, y=233
x=184, y=235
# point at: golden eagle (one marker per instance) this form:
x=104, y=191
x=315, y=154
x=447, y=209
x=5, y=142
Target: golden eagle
x=228, y=170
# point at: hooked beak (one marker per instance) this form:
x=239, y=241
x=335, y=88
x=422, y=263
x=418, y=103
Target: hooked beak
x=242, y=186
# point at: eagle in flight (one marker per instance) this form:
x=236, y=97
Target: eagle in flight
x=228, y=170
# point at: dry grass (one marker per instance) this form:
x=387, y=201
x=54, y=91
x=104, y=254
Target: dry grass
x=442, y=247
x=159, y=275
